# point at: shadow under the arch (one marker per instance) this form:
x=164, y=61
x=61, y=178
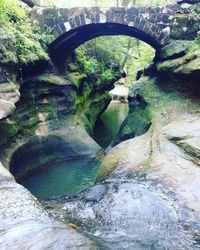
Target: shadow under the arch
x=67, y=42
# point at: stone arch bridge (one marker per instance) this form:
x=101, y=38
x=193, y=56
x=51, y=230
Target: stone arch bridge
x=153, y=25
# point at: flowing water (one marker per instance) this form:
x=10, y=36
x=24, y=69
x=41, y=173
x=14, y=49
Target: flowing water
x=72, y=176
x=63, y=178
x=129, y=212
x=109, y=122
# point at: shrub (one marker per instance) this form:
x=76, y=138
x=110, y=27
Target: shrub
x=19, y=35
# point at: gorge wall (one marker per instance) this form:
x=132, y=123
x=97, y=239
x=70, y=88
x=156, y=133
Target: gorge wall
x=43, y=118
x=149, y=183
x=158, y=167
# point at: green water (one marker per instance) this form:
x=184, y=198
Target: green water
x=72, y=176
x=108, y=124
x=64, y=178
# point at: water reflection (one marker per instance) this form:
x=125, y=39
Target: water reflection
x=108, y=124
x=63, y=178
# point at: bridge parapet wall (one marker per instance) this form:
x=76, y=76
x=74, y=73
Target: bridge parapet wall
x=179, y=21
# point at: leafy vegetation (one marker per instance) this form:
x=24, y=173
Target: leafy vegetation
x=198, y=38
x=20, y=37
x=100, y=57
x=97, y=63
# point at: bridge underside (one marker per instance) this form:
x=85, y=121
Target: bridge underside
x=70, y=40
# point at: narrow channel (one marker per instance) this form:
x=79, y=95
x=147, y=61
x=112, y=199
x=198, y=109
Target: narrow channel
x=109, y=122
x=72, y=176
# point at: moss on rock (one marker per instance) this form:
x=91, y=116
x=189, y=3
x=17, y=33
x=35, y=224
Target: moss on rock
x=51, y=79
x=8, y=130
x=76, y=78
x=175, y=49
x=137, y=121
x=108, y=164
x=185, y=66
x=152, y=99
x=72, y=67
x=19, y=36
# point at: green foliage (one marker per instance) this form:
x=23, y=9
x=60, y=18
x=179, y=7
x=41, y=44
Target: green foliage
x=10, y=13
x=106, y=75
x=95, y=62
x=198, y=38
x=141, y=56
x=100, y=58
x=90, y=66
x=153, y=2
x=20, y=36
x=7, y=38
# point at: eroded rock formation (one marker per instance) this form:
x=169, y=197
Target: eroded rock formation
x=149, y=190
x=148, y=193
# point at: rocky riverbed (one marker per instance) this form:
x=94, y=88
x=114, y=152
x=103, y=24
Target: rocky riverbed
x=146, y=194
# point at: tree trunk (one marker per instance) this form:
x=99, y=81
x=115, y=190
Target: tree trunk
x=127, y=55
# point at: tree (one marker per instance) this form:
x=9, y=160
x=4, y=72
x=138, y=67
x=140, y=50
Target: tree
x=128, y=53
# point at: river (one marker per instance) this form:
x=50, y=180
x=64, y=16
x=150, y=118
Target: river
x=109, y=122
x=74, y=175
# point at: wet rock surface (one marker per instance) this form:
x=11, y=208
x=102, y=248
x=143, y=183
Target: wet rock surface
x=45, y=126
x=26, y=225
x=149, y=196
x=137, y=121
x=130, y=213
x=151, y=199
x=181, y=60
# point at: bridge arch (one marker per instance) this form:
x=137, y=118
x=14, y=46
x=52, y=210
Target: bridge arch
x=72, y=27
x=70, y=40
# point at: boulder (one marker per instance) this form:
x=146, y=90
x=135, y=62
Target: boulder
x=45, y=124
x=147, y=192
x=169, y=152
x=175, y=49
x=23, y=218
x=127, y=214
x=181, y=62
